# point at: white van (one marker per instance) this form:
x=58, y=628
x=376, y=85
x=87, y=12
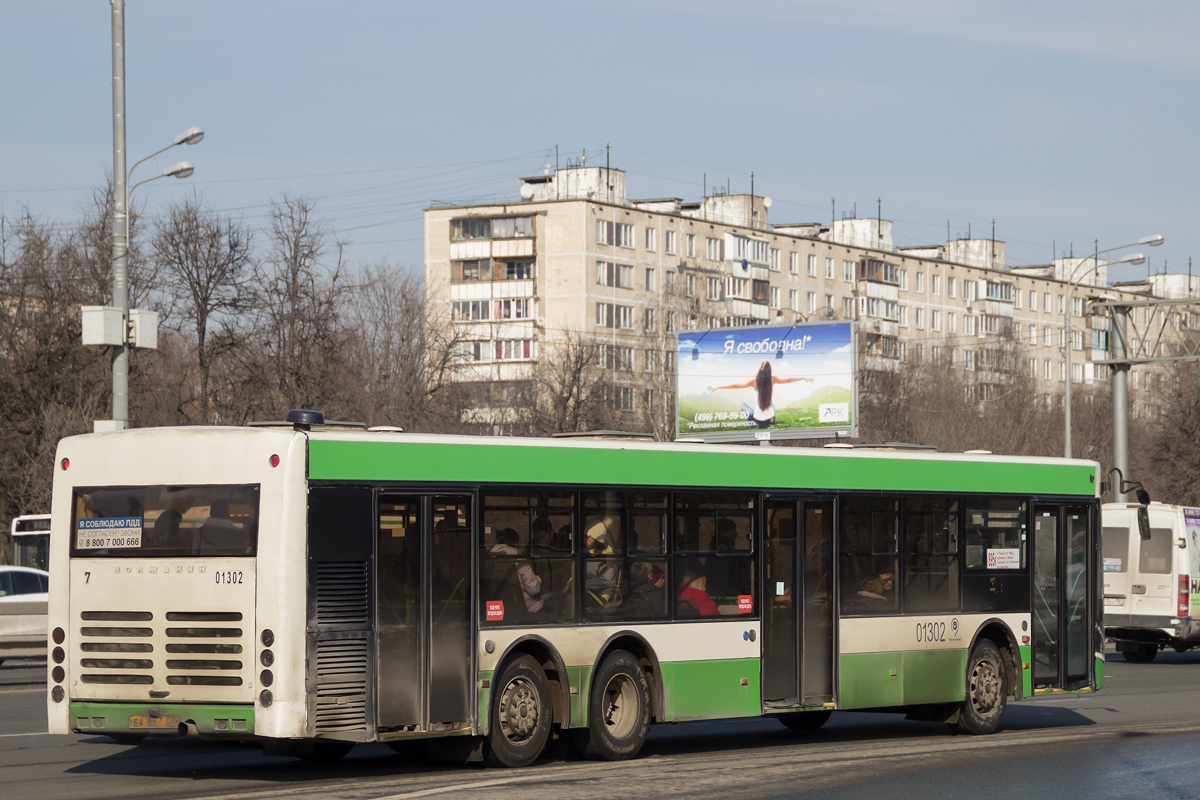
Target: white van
x=1151, y=584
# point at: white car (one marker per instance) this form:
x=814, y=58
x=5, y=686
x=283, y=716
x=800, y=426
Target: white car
x=23, y=612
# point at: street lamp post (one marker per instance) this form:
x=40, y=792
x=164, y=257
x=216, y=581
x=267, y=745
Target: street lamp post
x=1133, y=258
x=120, y=228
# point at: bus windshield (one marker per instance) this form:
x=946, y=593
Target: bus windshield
x=165, y=521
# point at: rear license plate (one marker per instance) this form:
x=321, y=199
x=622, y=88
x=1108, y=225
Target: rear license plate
x=1114, y=601
x=141, y=721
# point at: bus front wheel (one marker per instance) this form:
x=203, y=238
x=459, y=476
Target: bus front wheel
x=987, y=690
x=521, y=714
x=618, y=710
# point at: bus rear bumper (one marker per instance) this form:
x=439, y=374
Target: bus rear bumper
x=139, y=719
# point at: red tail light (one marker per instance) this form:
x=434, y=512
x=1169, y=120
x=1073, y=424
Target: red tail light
x=1183, y=595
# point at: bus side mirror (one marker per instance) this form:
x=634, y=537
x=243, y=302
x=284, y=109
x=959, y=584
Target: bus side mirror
x=1143, y=497
x=1143, y=520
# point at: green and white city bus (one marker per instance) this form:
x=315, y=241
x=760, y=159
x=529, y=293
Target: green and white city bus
x=314, y=585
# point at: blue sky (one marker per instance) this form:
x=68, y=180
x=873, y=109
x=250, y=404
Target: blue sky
x=1063, y=122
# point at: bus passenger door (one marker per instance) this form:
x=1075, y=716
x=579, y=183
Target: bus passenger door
x=1047, y=628
x=423, y=613
x=797, y=648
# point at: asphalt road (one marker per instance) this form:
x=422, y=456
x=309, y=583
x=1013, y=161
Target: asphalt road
x=1137, y=737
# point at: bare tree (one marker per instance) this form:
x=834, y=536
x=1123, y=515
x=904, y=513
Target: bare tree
x=572, y=390
x=205, y=262
x=298, y=354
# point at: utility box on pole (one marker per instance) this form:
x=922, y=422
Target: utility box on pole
x=143, y=329
x=104, y=325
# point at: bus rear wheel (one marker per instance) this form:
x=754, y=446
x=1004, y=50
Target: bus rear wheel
x=987, y=690
x=521, y=713
x=618, y=710
x=804, y=720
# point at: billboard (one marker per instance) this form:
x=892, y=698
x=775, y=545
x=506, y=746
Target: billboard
x=794, y=382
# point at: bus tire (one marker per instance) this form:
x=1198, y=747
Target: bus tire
x=804, y=720
x=322, y=750
x=521, y=712
x=987, y=690
x=618, y=710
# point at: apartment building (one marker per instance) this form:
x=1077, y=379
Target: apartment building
x=574, y=259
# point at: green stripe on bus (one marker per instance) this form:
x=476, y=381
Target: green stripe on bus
x=872, y=680
x=236, y=720
x=711, y=689
x=464, y=462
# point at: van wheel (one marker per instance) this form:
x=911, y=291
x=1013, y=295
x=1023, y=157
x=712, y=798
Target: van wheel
x=618, y=710
x=1141, y=653
x=804, y=720
x=987, y=690
x=521, y=712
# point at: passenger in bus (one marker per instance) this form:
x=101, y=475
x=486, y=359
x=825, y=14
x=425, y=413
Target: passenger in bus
x=693, y=596
x=877, y=592
x=601, y=580
x=724, y=580
x=649, y=591
x=531, y=584
x=166, y=529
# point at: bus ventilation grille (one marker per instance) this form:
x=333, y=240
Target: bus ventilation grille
x=203, y=648
x=341, y=703
x=342, y=593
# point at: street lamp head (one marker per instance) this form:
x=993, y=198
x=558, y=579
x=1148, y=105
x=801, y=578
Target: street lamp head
x=183, y=169
x=192, y=135
x=1153, y=241
x=1132, y=258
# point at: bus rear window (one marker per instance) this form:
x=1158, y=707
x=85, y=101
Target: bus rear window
x=164, y=521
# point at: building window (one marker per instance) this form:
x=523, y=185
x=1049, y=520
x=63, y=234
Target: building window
x=902, y=276
x=848, y=307
x=604, y=232
x=773, y=299
x=810, y=302
x=793, y=263
x=969, y=360
x=950, y=322
x=619, y=275
x=624, y=235
x=648, y=320
x=1061, y=305
x=848, y=271
x=625, y=317
x=691, y=285
x=625, y=359
x=712, y=249
x=651, y=360
x=950, y=290
x=919, y=282
x=470, y=310
x=477, y=270
x=969, y=325
x=1046, y=302
x=773, y=259
x=1016, y=297
x=933, y=285
x=903, y=319
x=935, y=320
x=476, y=352
x=691, y=245
x=604, y=315
x=829, y=268
x=812, y=266
x=520, y=308
x=793, y=300
x=516, y=270
x=651, y=239
x=513, y=349
x=918, y=317
x=624, y=396
x=669, y=242
x=651, y=281
x=713, y=289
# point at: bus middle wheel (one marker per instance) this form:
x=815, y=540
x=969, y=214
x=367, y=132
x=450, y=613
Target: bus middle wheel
x=618, y=710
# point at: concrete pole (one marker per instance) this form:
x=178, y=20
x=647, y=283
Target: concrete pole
x=1118, y=351
x=120, y=226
